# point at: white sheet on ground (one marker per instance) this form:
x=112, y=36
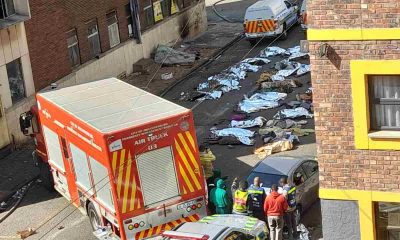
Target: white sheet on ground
x=272, y=51
x=258, y=121
x=255, y=60
x=243, y=135
x=293, y=113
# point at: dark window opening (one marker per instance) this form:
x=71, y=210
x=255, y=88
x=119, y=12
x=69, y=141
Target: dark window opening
x=384, y=100
x=93, y=38
x=6, y=8
x=73, y=48
x=16, y=80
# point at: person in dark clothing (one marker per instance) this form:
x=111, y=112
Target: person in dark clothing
x=289, y=192
x=256, y=200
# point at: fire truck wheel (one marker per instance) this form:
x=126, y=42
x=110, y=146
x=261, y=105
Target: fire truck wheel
x=45, y=176
x=93, y=217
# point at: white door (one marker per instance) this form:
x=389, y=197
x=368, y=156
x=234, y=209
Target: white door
x=4, y=137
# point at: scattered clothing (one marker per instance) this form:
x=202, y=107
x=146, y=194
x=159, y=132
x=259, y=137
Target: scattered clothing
x=279, y=84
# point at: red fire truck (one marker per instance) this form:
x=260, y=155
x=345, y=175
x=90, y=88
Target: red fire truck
x=127, y=158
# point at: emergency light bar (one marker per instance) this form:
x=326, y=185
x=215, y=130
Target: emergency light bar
x=183, y=235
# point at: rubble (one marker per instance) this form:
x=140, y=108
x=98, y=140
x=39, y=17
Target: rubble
x=168, y=56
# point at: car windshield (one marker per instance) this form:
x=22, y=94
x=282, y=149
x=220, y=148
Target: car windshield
x=266, y=179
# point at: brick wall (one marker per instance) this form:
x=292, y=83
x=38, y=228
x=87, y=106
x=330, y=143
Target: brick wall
x=341, y=165
x=350, y=14
x=48, y=25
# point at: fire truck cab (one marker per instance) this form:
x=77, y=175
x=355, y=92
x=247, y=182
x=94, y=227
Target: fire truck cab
x=125, y=157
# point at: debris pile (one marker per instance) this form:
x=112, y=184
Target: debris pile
x=168, y=56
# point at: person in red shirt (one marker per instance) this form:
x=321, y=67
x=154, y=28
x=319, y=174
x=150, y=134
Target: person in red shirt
x=275, y=206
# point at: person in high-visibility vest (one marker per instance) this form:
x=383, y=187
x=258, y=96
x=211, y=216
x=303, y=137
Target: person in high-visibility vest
x=206, y=159
x=289, y=192
x=256, y=200
x=240, y=197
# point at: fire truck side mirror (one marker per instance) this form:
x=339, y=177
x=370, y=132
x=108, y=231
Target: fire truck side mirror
x=25, y=123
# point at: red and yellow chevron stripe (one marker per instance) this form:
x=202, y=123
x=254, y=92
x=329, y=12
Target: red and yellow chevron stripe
x=187, y=163
x=165, y=227
x=260, y=26
x=123, y=168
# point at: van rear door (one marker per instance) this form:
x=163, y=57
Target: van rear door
x=259, y=19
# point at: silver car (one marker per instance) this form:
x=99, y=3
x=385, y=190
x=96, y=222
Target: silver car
x=300, y=171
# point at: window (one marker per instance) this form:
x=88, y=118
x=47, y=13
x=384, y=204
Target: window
x=387, y=221
x=81, y=167
x=16, y=80
x=299, y=176
x=113, y=31
x=73, y=48
x=310, y=168
x=93, y=38
x=146, y=15
x=384, y=96
x=166, y=7
x=102, y=183
x=6, y=8
x=53, y=148
x=235, y=235
x=129, y=19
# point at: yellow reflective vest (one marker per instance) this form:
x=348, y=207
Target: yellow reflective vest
x=239, y=201
x=206, y=159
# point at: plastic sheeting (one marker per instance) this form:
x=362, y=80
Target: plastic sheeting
x=258, y=121
x=303, y=69
x=286, y=68
x=294, y=53
x=169, y=56
x=272, y=51
x=293, y=113
x=243, y=135
x=261, y=101
x=256, y=61
x=304, y=233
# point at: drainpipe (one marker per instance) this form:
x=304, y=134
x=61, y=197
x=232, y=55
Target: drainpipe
x=135, y=20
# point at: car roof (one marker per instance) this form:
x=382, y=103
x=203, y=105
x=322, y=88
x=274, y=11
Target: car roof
x=210, y=230
x=279, y=165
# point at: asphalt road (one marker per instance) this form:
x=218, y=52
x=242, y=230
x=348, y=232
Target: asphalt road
x=39, y=204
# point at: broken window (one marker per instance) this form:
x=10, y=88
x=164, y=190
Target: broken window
x=73, y=48
x=113, y=31
x=387, y=220
x=16, y=80
x=93, y=38
x=6, y=8
x=384, y=97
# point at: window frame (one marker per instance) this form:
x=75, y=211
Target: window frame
x=304, y=164
x=5, y=9
x=364, y=137
x=373, y=100
x=89, y=36
x=110, y=15
x=20, y=68
x=73, y=33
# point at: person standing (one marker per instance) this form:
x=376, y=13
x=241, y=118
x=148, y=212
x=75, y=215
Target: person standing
x=206, y=159
x=289, y=192
x=240, y=197
x=256, y=200
x=275, y=206
x=220, y=198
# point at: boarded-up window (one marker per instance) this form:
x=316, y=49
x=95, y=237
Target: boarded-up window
x=384, y=96
x=16, y=80
x=113, y=31
x=93, y=38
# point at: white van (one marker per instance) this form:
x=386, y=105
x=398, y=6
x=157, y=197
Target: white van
x=269, y=18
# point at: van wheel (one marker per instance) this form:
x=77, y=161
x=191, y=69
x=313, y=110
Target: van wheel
x=284, y=34
x=45, y=174
x=93, y=217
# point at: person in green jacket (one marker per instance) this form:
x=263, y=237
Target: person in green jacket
x=220, y=198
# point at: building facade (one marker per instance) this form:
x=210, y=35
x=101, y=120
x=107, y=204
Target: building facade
x=16, y=81
x=355, y=59
x=77, y=41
